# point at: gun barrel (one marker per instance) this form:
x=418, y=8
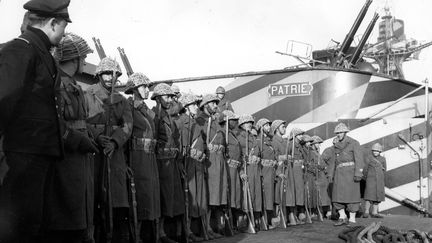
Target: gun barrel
x=350, y=36
x=363, y=40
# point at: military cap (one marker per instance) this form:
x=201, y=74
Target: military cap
x=377, y=147
x=188, y=99
x=162, y=89
x=341, y=127
x=49, y=8
x=295, y=132
x=306, y=138
x=261, y=122
x=70, y=47
x=136, y=80
x=246, y=118
x=316, y=139
x=175, y=89
x=209, y=98
x=108, y=64
x=220, y=90
x=275, y=125
x=228, y=114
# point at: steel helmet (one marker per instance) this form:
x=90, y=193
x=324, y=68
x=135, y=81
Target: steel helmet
x=188, y=99
x=209, y=98
x=136, y=80
x=261, y=122
x=220, y=90
x=245, y=118
x=341, y=127
x=275, y=125
x=175, y=89
x=162, y=89
x=227, y=114
x=306, y=138
x=316, y=139
x=108, y=64
x=70, y=47
x=377, y=147
x=295, y=132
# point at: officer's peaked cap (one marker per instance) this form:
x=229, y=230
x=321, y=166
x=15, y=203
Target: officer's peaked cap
x=49, y=8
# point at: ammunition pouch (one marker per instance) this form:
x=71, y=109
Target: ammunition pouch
x=268, y=162
x=254, y=160
x=233, y=163
x=215, y=148
x=197, y=155
x=167, y=153
x=147, y=145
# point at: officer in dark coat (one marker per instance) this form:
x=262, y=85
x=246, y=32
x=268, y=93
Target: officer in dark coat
x=103, y=100
x=167, y=154
x=142, y=158
x=72, y=208
x=346, y=175
x=30, y=119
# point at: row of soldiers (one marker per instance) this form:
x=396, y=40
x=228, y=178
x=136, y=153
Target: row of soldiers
x=93, y=165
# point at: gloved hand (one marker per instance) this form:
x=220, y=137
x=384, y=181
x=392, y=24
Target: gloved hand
x=243, y=176
x=109, y=148
x=87, y=145
x=357, y=178
x=103, y=140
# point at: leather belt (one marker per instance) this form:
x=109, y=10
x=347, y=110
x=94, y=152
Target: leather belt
x=102, y=126
x=268, y=162
x=144, y=144
x=233, y=163
x=215, y=148
x=76, y=124
x=253, y=160
x=298, y=161
x=167, y=153
x=345, y=164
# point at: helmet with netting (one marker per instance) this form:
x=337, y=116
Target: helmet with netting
x=162, y=89
x=227, y=114
x=246, y=118
x=275, y=125
x=295, y=132
x=261, y=122
x=70, y=47
x=341, y=127
x=377, y=147
x=108, y=65
x=209, y=98
x=136, y=80
x=316, y=139
x=188, y=99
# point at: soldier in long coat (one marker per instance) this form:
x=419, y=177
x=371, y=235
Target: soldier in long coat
x=321, y=182
x=167, y=154
x=77, y=165
x=264, y=152
x=223, y=104
x=103, y=100
x=234, y=162
x=310, y=173
x=30, y=120
x=296, y=158
x=253, y=170
x=346, y=175
x=284, y=171
x=374, y=173
x=214, y=139
x=192, y=143
x=142, y=158
x=328, y=160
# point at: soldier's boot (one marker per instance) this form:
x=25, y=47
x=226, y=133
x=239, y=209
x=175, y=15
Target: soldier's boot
x=352, y=218
x=301, y=218
x=375, y=213
x=343, y=220
x=366, y=211
x=292, y=219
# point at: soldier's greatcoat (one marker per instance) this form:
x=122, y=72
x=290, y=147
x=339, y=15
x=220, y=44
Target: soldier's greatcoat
x=234, y=166
x=296, y=160
x=280, y=146
x=121, y=122
x=143, y=162
x=169, y=163
x=195, y=168
x=325, y=161
x=374, y=172
x=216, y=163
x=348, y=163
x=72, y=183
x=253, y=170
x=225, y=104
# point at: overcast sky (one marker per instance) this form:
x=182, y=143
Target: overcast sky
x=185, y=38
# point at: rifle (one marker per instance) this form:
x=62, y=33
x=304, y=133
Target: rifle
x=185, y=183
x=264, y=219
x=99, y=48
x=105, y=205
x=282, y=191
x=320, y=216
x=125, y=61
x=130, y=177
x=247, y=200
x=307, y=195
x=228, y=219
